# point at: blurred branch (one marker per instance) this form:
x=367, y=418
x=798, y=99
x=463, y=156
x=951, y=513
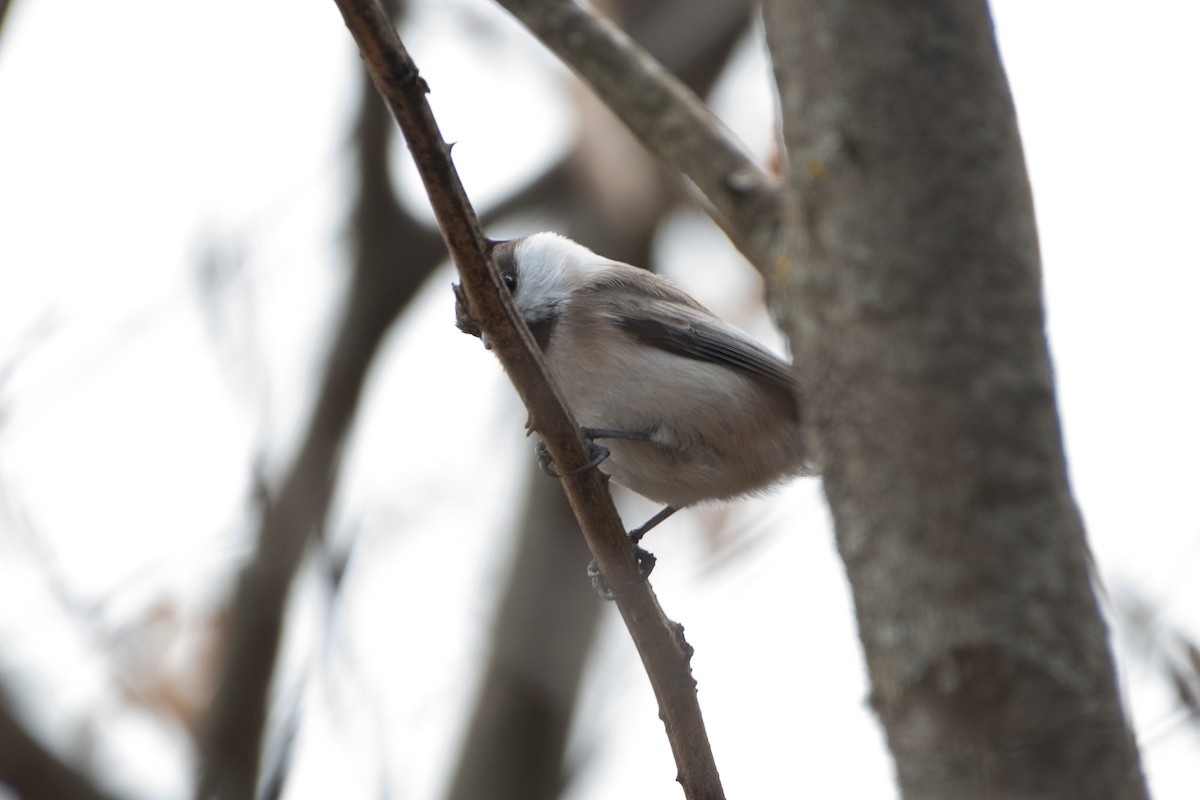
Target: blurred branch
x=698, y=58
x=515, y=744
x=32, y=771
x=659, y=641
x=231, y=749
x=379, y=291
x=669, y=119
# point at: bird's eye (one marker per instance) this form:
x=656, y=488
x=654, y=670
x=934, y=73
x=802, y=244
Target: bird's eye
x=510, y=280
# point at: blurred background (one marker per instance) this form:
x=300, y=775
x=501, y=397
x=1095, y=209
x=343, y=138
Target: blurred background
x=210, y=236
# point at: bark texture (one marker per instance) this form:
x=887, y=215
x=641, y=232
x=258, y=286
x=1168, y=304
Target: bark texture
x=910, y=284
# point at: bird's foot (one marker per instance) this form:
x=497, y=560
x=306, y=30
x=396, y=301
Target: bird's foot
x=646, y=562
x=596, y=455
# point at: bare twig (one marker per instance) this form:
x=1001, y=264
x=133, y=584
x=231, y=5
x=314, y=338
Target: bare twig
x=669, y=119
x=660, y=642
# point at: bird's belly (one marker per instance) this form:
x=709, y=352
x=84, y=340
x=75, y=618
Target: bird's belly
x=684, y=477
x=709, y=430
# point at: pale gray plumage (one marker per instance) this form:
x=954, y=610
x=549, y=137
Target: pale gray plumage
x=631, y=352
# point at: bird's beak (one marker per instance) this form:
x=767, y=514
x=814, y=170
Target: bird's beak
x=487, y=343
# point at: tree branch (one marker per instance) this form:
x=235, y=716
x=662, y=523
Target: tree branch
x=660, y=642
x=669, y=119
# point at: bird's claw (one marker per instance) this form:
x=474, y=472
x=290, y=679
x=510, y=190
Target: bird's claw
x=596, y=455
x=646, y=562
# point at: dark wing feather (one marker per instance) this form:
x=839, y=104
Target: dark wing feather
x=660, y=315
x=714, y=342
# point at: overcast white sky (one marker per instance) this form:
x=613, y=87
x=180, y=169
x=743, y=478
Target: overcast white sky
x=135, y=133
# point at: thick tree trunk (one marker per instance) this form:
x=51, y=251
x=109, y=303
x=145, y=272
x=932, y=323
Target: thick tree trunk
x=911, y=288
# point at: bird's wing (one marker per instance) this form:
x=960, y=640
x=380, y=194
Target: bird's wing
x=712, y=341
x=661, y=315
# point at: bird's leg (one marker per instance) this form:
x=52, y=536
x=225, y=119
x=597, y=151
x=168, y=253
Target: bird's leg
x=609, y=433
x=645, y=559
x=636, y=534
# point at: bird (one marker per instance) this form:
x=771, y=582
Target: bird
x=689, y=409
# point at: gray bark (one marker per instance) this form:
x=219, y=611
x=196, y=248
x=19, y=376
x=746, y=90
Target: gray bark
x=910, y=285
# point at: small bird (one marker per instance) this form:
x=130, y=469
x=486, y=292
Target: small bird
x=689, y=408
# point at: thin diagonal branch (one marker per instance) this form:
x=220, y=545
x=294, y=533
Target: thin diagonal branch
x=667, y=116
x=660, y=642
